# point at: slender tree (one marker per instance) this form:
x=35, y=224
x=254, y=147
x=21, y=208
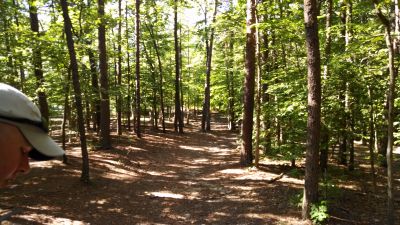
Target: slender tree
x=128, y=75
x=77, y=91
x=178, y=121
x=137, y=69
x=105, y=138
x=246, y=153
x=206, y=117
x=390, y=114
x=119, y=70
x=314, y=106
x=37, y=61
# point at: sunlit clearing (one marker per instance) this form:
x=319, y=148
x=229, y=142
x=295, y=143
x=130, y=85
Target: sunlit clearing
x=221, y=214
x=99, y=202
x=165, y=195
x=47, y=219
x=169, y=173
x=190, y=147
x=200, y=160
x=232, y=171
x=43, y=164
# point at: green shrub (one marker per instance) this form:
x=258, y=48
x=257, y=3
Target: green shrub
x=319, y=212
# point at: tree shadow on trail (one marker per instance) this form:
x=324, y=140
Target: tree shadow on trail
x=194, y=178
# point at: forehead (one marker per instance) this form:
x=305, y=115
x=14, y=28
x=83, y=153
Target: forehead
x=9, y=132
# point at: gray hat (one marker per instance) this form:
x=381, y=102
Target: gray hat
x=17, y=109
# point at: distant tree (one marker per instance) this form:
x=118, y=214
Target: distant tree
x=77, y=89
x=160, y=70
x=105, y=138
x=246, y=153
x=314, y=106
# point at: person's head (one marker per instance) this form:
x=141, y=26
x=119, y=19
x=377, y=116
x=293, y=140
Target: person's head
x=23, y=134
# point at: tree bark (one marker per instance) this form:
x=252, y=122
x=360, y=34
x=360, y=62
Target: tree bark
x=314, y=106
x=105, y=138
x=77, y=90
x=246, y=153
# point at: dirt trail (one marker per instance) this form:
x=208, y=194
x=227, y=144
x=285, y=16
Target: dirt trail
x=192, y=178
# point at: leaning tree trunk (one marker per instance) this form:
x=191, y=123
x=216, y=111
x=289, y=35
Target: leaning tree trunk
x=314, y=107
x=246, y=153
x=37, y=62
x=77, y=91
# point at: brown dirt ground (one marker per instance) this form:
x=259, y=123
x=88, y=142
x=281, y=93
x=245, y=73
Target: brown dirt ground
x=193, y=178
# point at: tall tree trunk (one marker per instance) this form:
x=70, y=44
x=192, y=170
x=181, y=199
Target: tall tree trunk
x=119, y=71
x=266, y=64
x=371, y=138
x=258, y=99
x=246, y=153
x=37, y=62
x=137, y=69
x=389, y=150
x=77, y=91
x=105, y=138
x=328, y=37
x=314, y=106
x=230, y=84
x=128, y=105
x=328, y=41
x=178, y=122
x=206, y=118
x=390, y=99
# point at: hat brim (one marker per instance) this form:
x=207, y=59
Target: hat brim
x=44, y=148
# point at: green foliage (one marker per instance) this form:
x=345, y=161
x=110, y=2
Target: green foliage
x=319, y=212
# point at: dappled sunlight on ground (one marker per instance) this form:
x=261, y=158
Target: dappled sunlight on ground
x=193, y=178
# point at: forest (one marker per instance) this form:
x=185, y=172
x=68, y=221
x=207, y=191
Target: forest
x=208, y=111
